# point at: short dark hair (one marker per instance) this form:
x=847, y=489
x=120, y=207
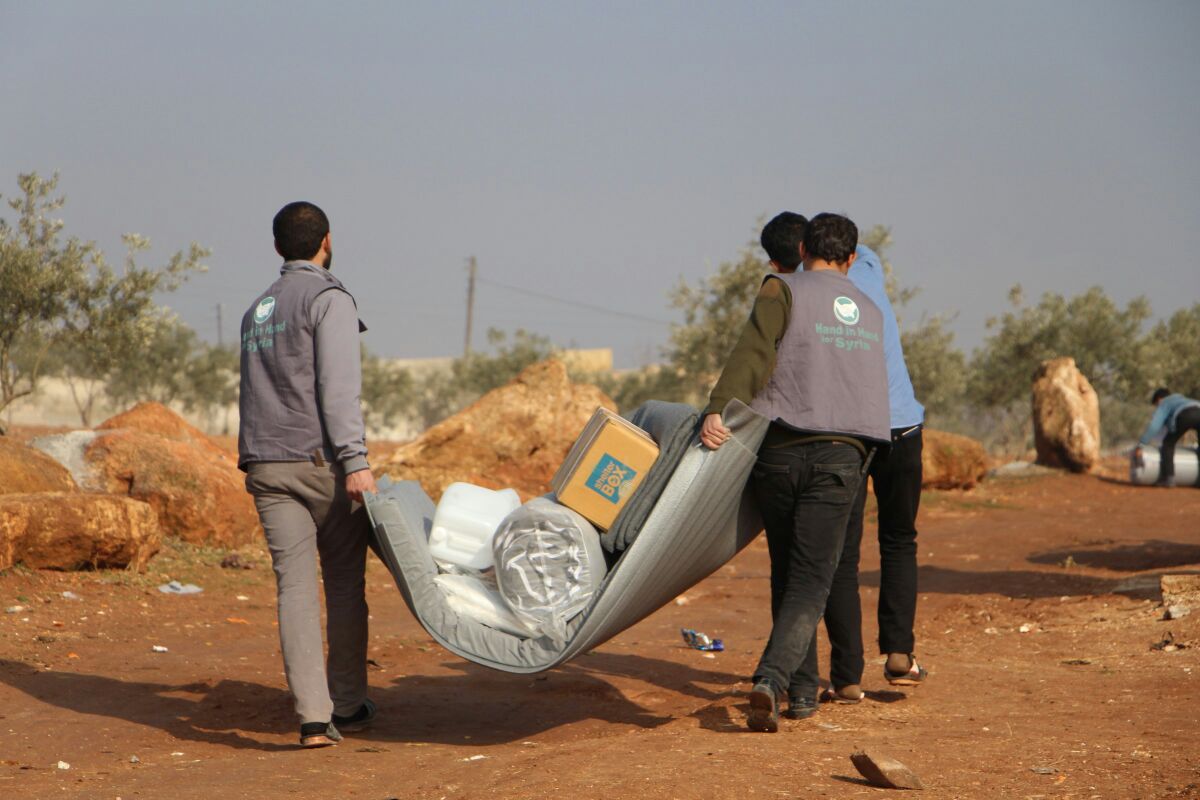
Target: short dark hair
x=299, y=230
x=781, y=239
x=1159, y=394
x=830, y=237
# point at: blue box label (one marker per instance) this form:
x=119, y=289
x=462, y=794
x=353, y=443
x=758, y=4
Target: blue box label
x=609, y=478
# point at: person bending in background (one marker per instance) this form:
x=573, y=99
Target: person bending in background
x=810, y=359
x=1174, y=415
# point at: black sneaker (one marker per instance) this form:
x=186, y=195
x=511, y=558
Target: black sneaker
x=319, y=734
x=764, y=707
x=358, y=721
x=800, y=707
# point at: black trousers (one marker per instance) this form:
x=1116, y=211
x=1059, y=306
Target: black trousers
x=1186, y=420
x=896, y=476
x=805, y=493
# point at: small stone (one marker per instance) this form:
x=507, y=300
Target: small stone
x=175, y=587
x=991, y=631
x=134, y=760
x=1027, y=627
x=886, y=772
x=158, y=648
x=14, y=609
x=63, y=765
x=71, y=596
x=1177, y=611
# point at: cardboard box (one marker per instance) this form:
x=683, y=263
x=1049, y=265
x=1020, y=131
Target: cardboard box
x=604, y=467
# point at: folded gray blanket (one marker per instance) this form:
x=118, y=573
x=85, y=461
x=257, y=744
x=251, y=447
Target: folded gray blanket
x=672, y=426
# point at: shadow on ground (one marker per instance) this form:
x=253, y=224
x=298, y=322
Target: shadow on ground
x=1028, y=584
x=1151, y=554
x=220, y=713
x=483, y=706
x=477, y=706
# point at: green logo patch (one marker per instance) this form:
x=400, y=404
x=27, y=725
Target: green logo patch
x=264, y=310
x=846, y=310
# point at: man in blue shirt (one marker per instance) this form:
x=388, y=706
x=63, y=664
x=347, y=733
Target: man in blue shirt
x=1174, y=415
x=896, y=477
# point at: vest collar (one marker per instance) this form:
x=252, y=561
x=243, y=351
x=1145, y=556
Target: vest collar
x=307, y=266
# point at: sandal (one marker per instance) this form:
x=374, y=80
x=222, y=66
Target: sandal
x=915, y=675
x=848, y=695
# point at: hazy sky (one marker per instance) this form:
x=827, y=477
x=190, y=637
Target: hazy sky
x=598, y=152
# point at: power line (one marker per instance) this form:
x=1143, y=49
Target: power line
x=568, y=302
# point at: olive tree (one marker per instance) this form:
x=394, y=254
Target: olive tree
x=38, y=271
x=59, y=295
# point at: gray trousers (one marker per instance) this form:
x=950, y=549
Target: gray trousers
x=306, y=513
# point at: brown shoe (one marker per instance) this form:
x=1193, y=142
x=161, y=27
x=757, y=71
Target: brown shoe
x=319, y=734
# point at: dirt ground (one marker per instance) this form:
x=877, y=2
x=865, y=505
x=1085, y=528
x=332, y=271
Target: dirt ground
x=1039, y=605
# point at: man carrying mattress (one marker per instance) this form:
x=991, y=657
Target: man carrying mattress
x=811, y=360
x=302, y=445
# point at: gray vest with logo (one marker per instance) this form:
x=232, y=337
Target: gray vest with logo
x=280, y=416
x=830, y=375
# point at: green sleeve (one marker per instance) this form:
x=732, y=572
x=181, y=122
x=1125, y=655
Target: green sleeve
x=752, y=360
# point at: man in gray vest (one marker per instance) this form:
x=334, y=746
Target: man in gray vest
x=811, y=360
x=302, y=446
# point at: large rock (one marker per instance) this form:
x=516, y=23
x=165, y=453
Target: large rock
x=1066, y=417
x=199, y=496
x=24, y=469
x=157, y=419
x=70, y=530
x=950, y=461
x=514, y=436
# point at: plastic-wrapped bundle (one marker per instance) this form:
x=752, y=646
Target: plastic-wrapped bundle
x=1187, y=466
x=549, y=563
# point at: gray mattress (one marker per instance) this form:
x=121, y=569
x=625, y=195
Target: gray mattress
x=702, y=519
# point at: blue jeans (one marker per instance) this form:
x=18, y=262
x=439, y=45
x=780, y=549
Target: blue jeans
x=805, y=493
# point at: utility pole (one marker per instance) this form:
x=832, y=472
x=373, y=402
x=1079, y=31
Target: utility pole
x=471, y=267
x=220, y=327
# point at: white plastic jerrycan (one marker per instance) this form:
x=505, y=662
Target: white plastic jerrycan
x=465, y=521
